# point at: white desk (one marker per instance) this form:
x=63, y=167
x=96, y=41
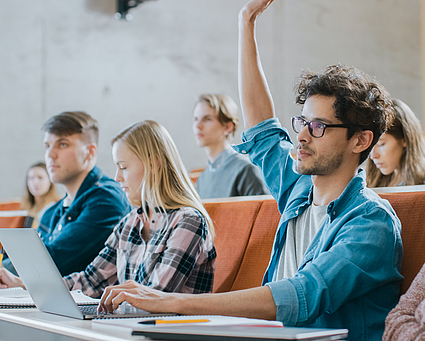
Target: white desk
x=31, y=324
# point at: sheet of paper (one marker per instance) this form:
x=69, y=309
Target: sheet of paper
x=214, y=320
x=15, y=296
x=19, y=296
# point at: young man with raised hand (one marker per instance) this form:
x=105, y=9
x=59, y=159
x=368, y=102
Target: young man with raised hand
x=337, y=252
x=75, y=228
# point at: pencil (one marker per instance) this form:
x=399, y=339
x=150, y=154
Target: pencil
x=1, y=256
x=173, y=321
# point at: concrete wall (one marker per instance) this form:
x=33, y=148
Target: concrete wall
x=58, y=55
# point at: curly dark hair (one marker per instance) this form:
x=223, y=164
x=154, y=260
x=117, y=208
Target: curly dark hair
x=360, y=101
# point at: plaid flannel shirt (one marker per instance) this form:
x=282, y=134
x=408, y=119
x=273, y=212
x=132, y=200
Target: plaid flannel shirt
x=178, y=257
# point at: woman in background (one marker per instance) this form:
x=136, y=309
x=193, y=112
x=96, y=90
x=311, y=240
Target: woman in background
x=399, y=156
x=228, y=174
x=40, y=192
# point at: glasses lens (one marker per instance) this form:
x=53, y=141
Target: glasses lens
x=297, y=124
x=316, y=128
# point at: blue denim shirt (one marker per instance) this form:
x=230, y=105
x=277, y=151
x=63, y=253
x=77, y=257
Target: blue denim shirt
x=75, y=236
x=350, y=274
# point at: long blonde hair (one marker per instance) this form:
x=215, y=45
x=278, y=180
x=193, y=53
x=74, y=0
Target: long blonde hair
x=411, y=169
x=166, y=183
x=28, y=199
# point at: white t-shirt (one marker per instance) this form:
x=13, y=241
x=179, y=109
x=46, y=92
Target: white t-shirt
x=300, y=233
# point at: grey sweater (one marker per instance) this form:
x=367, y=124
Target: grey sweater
x=231, y=174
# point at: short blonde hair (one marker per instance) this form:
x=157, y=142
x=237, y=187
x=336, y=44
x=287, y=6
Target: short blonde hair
x=166, y=183
x=225, y=107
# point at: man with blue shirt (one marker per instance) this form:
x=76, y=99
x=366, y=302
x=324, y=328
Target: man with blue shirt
x=337, y=251
x=75, y=228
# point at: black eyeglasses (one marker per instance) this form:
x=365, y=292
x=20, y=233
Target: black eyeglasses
x=315, y=128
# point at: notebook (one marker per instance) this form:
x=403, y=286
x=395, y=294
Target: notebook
x=44, y=282
x=137, y=324
x=20, y=298
x=220, y=328
x=239, y=333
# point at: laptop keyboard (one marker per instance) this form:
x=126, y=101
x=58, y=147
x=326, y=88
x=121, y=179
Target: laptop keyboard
x=88, y=309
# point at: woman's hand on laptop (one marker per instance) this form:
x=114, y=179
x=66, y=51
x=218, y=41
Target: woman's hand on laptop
x=8, y=280
x=139, y=296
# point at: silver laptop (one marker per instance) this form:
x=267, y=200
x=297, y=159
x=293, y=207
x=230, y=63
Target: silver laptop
x=44, y=282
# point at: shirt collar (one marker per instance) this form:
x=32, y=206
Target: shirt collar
x=355, y=184
x=92, y=177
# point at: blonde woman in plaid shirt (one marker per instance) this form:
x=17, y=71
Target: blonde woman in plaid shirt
x=166, y=241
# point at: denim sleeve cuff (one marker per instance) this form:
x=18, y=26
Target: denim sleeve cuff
x=258, y=132
x=286, y=299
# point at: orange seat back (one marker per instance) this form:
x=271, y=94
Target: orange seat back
x=13, y=220
x=10, y=206
x=409, y=207
x=257, y=254
x=195, y=173
x=233, y=222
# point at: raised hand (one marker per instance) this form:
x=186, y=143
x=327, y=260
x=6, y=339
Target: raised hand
x=256, y=100
x=253, y=9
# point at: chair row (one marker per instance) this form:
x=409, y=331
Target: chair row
x=245, y=229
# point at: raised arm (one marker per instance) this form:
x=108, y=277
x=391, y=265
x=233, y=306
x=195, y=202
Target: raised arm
x=256, y=100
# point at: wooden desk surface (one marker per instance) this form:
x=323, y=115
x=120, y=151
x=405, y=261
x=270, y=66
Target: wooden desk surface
x=31, y=324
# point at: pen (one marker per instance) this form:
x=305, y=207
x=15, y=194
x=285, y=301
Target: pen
x=173, y=321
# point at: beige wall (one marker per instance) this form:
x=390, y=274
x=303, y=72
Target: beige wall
x=61, y=55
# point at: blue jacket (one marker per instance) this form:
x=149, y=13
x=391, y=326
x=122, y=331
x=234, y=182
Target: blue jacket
x=74, y=237
x=350, y=274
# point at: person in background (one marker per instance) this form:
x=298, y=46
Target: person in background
x=406, y=322
x=40, y=192
x=399, y=156
x=228, y=174
x=166, y=242
x=75, y=228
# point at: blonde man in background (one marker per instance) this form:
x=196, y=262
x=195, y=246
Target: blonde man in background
x=228, y=174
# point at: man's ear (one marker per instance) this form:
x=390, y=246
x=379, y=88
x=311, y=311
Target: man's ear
x=91, y=151
x=364, y=140
x=229, y=128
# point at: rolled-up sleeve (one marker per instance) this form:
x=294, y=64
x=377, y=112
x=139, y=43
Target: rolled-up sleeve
x=286, y=300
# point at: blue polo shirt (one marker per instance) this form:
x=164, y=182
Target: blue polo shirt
x=350, y=274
